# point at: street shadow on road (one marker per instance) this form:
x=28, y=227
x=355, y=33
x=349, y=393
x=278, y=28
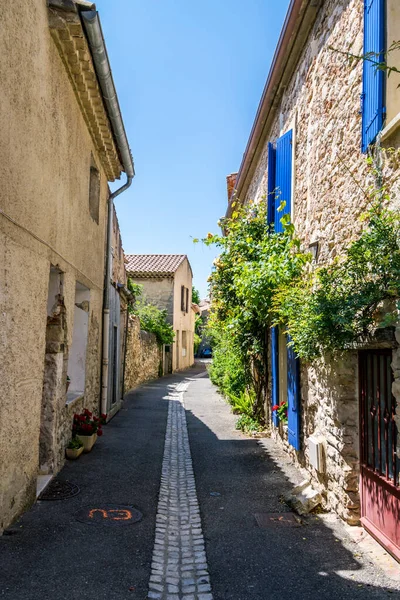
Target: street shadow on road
x=235, y=481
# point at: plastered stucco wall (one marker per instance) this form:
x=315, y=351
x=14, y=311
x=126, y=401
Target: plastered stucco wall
x=183, y=321
x=45, y=157
x=118, y=266
x=159, y=292
x=321, y=104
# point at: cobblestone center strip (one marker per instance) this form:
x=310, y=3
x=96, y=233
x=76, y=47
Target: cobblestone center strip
x=179, y=568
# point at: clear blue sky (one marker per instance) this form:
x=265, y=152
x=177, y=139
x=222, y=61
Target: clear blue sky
x=189, y=77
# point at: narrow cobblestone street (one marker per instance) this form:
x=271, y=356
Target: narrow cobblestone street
x=173, y=454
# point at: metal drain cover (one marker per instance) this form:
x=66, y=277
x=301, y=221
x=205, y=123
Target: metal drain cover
x=109, y=515
x=58, y=489
x=286, y=519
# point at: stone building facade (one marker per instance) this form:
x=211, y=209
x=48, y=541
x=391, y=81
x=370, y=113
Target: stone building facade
x=312, y=95
x=167, y=283
x=58, y=151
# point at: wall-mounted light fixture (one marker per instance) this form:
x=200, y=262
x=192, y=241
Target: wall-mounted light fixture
x=314, y=249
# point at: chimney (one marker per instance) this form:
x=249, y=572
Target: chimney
x=230, y=184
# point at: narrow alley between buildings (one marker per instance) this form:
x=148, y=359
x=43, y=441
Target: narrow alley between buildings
x=213, y=524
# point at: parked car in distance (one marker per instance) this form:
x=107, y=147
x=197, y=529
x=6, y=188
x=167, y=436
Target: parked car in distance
x=206, y=353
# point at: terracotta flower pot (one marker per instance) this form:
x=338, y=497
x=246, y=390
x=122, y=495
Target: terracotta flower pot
x=73, y=453
x=87, y=441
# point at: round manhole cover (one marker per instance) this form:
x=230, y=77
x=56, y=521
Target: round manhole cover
x=109, y=514
x=59, y=490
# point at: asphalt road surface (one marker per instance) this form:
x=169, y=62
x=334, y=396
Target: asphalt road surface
x=195, y=541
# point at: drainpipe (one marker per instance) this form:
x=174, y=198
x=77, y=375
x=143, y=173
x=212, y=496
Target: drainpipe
x=129, y=296
x=91, y=24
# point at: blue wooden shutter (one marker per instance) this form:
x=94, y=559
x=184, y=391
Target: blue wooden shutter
x=372, y=97
x=275, y=371
x=271, y=184
x=283, y=179
x=293, y=393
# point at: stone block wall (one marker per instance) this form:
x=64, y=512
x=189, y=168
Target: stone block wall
x=143, y=355
x=321, y=103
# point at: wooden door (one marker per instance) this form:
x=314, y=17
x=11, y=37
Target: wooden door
x=379, y=465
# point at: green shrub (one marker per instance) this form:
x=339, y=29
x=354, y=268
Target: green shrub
x=154, y=320
x=244, y=403
x=196, y=342
x=248, y=424
x=227, y=370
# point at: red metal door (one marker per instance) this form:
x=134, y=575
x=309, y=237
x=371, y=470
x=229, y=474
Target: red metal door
x=380, y=492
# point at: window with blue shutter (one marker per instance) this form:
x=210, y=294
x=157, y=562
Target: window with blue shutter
x=372, y=98
x=280, y=189
x=293, y=393
x=271, y=184
x=283, y=177
x=275, y=371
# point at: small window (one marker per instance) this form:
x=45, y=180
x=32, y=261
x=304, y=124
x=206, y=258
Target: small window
x=184, y=343
x=187, y=299
x=183, y=298
x=77, y=350
x=94, y=191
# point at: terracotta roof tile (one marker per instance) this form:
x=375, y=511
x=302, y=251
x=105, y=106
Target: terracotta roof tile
x=153, y=265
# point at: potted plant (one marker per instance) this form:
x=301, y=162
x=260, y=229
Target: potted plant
x=86, y=427
x=74, y=449
x=281, y=410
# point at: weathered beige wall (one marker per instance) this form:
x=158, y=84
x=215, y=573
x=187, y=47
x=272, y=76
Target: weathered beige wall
x=159, y=292
x=321, y=104
x=183, y=321
x=143, y=356
x=118, y=270
x=45, y=154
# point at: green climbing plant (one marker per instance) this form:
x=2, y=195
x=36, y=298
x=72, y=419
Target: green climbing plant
x=263, y=278
x=254, y=263
x=152, y=319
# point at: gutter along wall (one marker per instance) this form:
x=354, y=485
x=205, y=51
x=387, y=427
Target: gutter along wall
x=320, y=101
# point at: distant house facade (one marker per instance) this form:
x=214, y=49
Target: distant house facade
x=167, y=283
x=308, y=147
x=59, y=148
x=204, y=307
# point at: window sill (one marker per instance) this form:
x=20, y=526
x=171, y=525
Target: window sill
x=391, y=127
x=72, y=397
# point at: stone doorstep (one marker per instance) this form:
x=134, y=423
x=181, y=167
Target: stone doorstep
x=303, y=498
